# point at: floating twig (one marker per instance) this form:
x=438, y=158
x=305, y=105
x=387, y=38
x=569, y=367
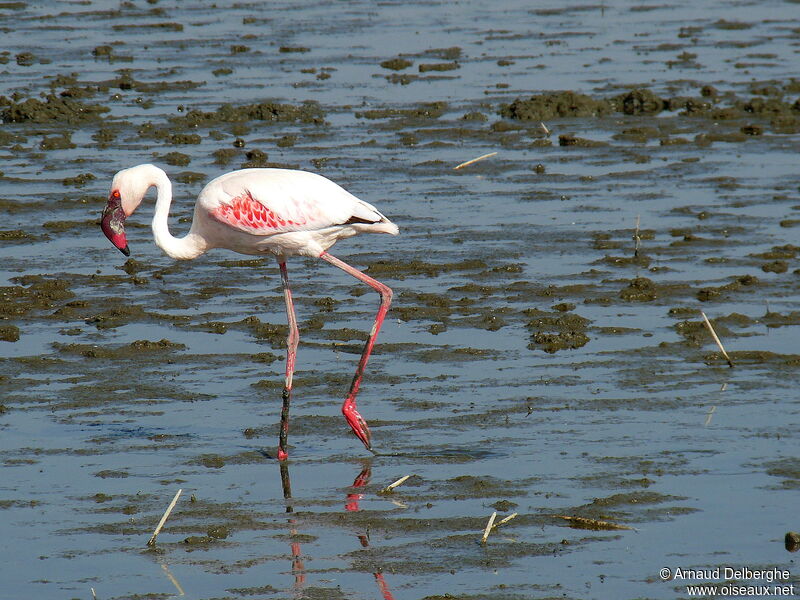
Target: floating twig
x=391, y=486
x=637, y=240
x=94, y=596
x=489, y=526
x=474, y=160
x=716, y=339
x=595, y=524
x=163, y=520
x=544, y=128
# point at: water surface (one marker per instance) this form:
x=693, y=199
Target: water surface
x=535, y=359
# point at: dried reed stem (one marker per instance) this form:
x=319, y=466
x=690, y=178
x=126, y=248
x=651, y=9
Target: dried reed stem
x=163, y=520
x=489, y=526
x=391, y=486
x=474, y=160
x=716, y=339
x=506, y=520
x=636, y=239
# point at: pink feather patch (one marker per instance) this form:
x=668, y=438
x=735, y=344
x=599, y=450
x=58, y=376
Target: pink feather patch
x=248, y=214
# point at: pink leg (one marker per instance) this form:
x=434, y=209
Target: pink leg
x=354, y=419
x=291, y=353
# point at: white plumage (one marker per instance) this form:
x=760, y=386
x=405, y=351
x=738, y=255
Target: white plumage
x=315, y=212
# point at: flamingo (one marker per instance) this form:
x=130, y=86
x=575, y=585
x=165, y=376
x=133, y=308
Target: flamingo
x=278, y=212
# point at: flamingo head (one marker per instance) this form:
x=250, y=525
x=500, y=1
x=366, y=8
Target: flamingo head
x=112, y=222
x=127, y=191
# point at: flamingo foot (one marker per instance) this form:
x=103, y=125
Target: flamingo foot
x=357, y=422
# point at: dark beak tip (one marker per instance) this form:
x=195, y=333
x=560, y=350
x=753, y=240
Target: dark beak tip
x=126, y=251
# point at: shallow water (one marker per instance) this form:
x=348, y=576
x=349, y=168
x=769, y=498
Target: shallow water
x=532, y=362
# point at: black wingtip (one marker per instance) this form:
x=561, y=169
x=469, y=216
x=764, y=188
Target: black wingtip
x=359, y=220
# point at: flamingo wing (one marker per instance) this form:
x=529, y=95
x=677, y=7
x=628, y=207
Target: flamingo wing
x=270, y=201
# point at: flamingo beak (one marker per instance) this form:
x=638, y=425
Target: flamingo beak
x=112, y=223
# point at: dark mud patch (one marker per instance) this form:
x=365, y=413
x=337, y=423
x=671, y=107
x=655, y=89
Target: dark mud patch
x=552, y=332
x=783, y=115
x=738, y=283
x=9, y=333
x=468, y=486
x=426, y=111
x=215, y=461
x=125, y=352
x=459, y=354
x=632, y=507
x=787, y=470
x=640, y=289
x=400, y=269
x=757, y=357
x=548, y=106
x=36, y=294
x=308, y=112
x=396, y=64
x=53, y=109
x=441, y=551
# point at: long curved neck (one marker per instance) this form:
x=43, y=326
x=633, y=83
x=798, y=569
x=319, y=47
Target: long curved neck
x=190, y=246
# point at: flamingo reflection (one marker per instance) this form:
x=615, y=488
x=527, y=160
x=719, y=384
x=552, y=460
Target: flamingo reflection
x=353, y=498
x=298, y=567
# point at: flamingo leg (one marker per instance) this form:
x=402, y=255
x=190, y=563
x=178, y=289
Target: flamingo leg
x=291, y=352
x=354, y=419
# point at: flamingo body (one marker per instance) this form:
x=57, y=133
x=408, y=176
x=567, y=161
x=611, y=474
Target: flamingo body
x=281, y=212
x=255, y=211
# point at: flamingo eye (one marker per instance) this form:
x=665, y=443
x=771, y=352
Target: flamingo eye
x=115, y=194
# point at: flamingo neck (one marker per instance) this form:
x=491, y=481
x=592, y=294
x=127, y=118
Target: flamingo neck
x=192, y=244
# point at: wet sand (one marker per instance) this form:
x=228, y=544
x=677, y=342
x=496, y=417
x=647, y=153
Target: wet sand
x=545, y=354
